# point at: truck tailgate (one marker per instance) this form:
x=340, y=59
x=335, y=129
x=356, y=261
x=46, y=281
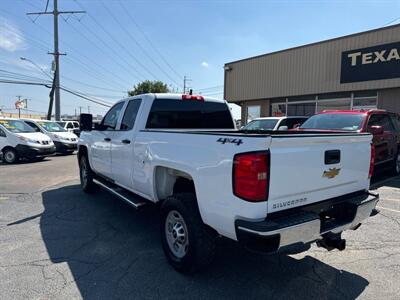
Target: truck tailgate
x=313, y=168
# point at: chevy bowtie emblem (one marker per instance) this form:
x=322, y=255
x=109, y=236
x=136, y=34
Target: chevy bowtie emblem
x=331, y=173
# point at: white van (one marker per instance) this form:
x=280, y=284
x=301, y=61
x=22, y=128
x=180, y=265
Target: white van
x=18, y=140
x=65, y=142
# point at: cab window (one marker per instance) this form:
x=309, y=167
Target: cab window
x=70, y=126
x=2, y=133
x=130, y=114
x=111, y=118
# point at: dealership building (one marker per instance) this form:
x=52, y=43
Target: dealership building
x=358, y=71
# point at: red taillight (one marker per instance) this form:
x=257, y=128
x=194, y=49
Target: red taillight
x=372, y=161
x=192, y=97
x=251, y=176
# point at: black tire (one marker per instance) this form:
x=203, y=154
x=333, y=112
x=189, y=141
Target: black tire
x=86, y=175
x=396, y=164
x=10, y=156
x=36, y=159
x=201, y=239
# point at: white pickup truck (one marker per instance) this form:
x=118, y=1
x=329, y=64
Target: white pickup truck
x=269, y=191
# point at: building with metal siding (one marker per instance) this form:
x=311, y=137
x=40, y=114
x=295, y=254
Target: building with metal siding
x=310, y=78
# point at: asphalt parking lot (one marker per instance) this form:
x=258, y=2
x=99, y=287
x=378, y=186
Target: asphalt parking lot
x=57, y=242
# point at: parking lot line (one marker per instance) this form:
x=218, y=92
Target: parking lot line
x=390, y=199
x=394, y=210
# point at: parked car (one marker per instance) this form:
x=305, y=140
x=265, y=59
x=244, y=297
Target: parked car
x=274, y=123
x=383, y=125
x=18, y=140
x=71, y=126
x=65, y=142
x=267, y=191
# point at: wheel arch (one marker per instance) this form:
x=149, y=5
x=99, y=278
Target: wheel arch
x=169, y=181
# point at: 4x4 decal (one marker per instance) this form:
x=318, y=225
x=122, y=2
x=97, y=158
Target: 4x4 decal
x=223, y=141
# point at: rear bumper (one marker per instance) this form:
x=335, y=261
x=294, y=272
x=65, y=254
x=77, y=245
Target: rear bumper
x=32, y=152
x=306, y=224
x=65, y=147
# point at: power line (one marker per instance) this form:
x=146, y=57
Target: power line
x=56, y=53
x=74, y=59
x=119, y=43
x=394, y=20
x=102, y=50
x=137, y=43
x=148, y=39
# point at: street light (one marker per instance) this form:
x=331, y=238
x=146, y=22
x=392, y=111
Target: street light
x=51, y=95
x=37, y=66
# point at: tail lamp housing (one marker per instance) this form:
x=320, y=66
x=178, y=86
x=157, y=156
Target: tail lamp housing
x=251, y=176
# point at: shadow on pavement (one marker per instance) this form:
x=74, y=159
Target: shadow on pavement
x=114, y=251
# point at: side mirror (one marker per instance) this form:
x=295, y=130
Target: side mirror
x=86, y=122
x=376, y=130
x=283, y=128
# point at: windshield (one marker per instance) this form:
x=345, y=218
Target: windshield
x=267, y=124
x=51, y=126
x=349, y=122
x=16, y=126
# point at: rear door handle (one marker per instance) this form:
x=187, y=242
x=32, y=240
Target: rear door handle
x=107, y=139
x=126, y=141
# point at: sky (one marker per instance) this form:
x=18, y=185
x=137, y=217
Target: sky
x=119, y=43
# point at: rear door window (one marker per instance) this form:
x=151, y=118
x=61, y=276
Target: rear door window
x=396, y=121
x=130, y=114
x=189, y=114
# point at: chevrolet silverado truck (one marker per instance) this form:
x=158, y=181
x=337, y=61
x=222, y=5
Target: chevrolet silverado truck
x=270, y=191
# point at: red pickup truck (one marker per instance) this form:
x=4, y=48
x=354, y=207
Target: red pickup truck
x=384, y=125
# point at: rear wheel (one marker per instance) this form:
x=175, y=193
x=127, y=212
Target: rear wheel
x=187, y=243
x=396, y=164
x=10, y=156
x=86, y=175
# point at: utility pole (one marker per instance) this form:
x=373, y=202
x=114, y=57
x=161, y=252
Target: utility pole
x=56, y=53
x=185, y=80
x=80, y=109
x=19, y=108
x=88, y=109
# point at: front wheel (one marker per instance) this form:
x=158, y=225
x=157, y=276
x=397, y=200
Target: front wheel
x=187, y=243
x=10, y=156
x=86, y=175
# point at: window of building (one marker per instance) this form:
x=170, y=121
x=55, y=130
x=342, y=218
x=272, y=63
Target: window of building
x=301, y=109
x=334, y=104
x=278, y=109
x=253, y=111
x=364, y=103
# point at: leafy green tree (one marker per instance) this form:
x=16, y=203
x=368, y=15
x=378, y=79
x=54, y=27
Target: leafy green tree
x=148, y=86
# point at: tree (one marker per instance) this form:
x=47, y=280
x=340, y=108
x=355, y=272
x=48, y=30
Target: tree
x=148, y=86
